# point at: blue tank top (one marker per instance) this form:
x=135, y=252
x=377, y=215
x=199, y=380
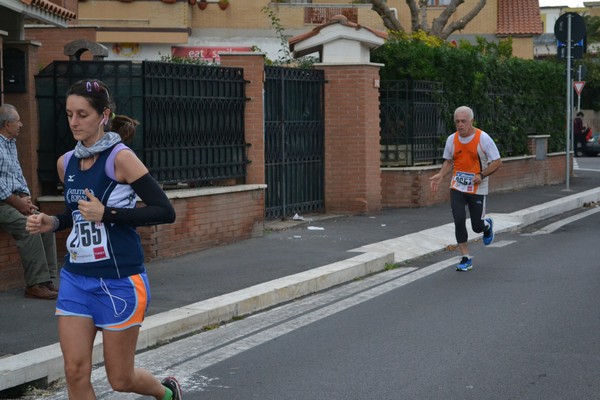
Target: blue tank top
x=94, y=248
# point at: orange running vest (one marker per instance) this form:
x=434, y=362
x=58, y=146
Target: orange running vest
x=466, y=163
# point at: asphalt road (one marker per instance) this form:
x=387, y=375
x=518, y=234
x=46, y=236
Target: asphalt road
x=522, y=325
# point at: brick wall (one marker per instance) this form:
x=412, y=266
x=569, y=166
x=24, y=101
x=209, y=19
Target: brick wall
x=254, y=70
x=409, y=187
x=11, y=269
x=54, y=40
x=352, y=176
x=205, y=218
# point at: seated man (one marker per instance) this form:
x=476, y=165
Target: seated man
x=38, y=252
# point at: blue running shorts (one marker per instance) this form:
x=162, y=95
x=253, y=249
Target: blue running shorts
x=113, y=304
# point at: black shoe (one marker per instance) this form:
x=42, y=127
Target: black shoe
x=172, y=384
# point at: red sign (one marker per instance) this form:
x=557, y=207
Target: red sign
x=578, y=85
x=206, y=53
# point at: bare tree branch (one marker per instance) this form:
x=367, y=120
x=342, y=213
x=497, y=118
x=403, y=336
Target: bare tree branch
x=418, y=17
x=423, y=10
x=414, y=15
x=446, y=29
x=389, y=19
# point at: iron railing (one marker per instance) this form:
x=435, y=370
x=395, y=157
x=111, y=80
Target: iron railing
x=412, y=122
x=192, y=118
x=194, y=129
x=294, y=141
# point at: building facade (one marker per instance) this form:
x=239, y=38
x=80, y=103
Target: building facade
x=152, y=29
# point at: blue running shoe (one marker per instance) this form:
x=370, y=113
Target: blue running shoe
x=466, y=264
x=172, y=384
x=488, y=235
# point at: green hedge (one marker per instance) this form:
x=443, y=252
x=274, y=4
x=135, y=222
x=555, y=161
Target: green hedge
x=511, y=97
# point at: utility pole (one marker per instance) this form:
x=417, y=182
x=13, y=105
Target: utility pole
x=570, y=33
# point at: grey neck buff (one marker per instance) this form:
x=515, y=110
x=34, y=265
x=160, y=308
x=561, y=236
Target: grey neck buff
x=108, y=140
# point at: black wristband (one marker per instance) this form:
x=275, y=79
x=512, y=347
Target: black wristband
x=65, y=220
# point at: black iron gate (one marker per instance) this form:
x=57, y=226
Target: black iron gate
x=192, y=118
x=412, y=122
x=294, y=141
x=194, y=130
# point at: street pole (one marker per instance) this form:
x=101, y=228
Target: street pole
x=569, y=102
x=579, y=94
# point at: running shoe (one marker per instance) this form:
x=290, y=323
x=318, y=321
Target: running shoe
x=466, y=264
x=172, y=384
x=488, y=235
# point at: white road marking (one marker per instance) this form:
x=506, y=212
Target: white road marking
x=502, y=243
x=559, y=224
x=587, y=169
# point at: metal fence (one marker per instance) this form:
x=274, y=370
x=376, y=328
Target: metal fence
x=294, y=141
x=412, y=122
x=192, y=118
x=194, y=123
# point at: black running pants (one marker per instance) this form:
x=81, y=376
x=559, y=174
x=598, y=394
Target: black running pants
x=459, y=202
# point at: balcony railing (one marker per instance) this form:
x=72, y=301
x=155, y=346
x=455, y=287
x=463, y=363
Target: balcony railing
x=322, y=14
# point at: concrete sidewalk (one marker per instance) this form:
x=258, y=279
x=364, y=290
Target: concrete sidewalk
x=216, y=285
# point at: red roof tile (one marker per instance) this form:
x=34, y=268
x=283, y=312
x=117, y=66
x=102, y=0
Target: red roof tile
x=338, y=19
x=51, y=8
x=519, y=17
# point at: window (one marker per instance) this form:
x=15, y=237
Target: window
x=438, y=3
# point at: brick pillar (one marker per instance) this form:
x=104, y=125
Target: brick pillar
x=254, y=72
x=26, y=104
x=352, y=160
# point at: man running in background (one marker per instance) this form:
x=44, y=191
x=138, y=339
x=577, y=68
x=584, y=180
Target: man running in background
x=472, y=156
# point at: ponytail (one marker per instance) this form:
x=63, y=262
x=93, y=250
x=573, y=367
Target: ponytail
x=124, y=126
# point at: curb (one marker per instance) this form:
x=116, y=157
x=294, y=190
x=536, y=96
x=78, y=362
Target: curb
x=533, y=214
